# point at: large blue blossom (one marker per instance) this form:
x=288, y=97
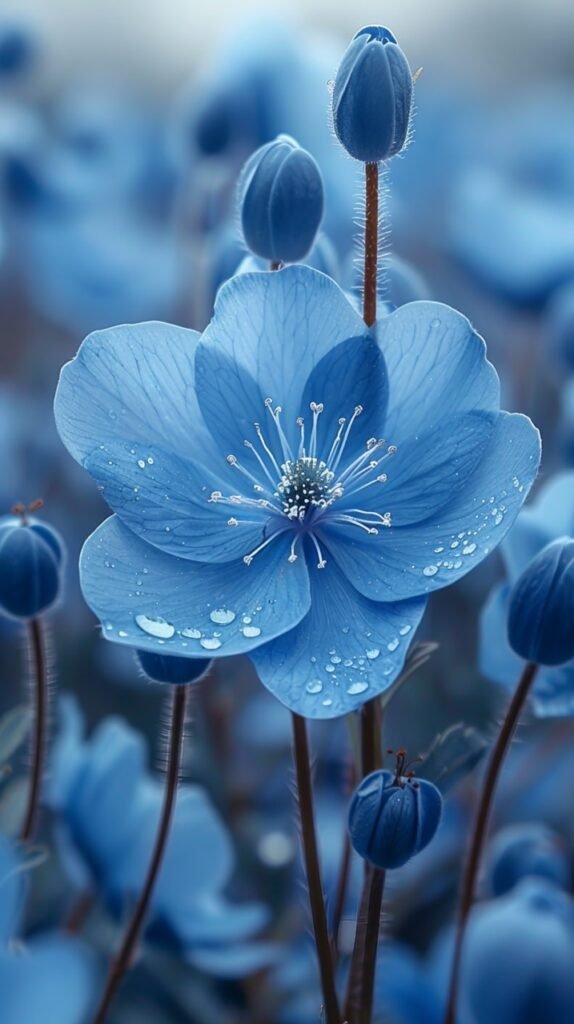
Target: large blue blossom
x=550, y=516
x=259, y=509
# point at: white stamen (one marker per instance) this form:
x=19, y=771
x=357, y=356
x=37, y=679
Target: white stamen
x=321, y=563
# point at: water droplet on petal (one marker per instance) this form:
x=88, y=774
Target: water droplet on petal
x=193, y=634
x=315, y=686
x=210, y=643
x=356, y=688
x=222, y=616
x=372, y=653
x=430, y=570
x=251, y=631
x=404, y=630
x=158, y=628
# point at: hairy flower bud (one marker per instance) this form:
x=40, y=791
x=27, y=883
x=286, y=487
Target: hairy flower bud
x=281, y=201
x=541, y=609
x=372, y=96
x=31, y=555
x=168, y=668
x=392, y=817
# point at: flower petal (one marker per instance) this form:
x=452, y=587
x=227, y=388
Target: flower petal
x=148, y=599
x=164, y=499
x=344, y=652
x=427, y=471
x=406, y=561
x=139, y=379
x=268, y=333
x=351, y=374
x=437, y=368
x=52, y=982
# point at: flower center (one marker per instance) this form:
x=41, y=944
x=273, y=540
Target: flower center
x=300, y=489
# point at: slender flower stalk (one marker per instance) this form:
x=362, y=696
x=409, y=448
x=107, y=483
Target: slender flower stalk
x=361, y=985
x=313, y=871
x=40, y=676
x=371, y=243
x=480, y=829
x=123, y=960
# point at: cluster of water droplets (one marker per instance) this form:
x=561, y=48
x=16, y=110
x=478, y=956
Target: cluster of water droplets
x=360, y=664
x=299, y=489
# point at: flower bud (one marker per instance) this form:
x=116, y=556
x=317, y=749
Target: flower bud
x=526, y=851
x=281, y=201
x=168, y=668
x=372, y=96
x=541, y=607
x=31, y=555
x=392, y=817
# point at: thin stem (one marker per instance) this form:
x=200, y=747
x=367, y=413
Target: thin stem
x=123, y=960
x=371, y=243
x=40, y=672
x=311, y=856
x=480, y=829
x=341, y=894
x=361, y=985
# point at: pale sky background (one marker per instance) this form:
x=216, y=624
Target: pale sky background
x=161, y=42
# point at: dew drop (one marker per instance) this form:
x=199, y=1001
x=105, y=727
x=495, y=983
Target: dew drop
x=141, y=463
x=222, y=616
x=468, y=549
x=193, y=634
x=404, y=630
x=355, y=688
x=315, y=686
x=158, y=628
x=393, y=644
x=122, y=633
x=251, y=631
x=372, y=653
x=430, y=570
x=210, y=643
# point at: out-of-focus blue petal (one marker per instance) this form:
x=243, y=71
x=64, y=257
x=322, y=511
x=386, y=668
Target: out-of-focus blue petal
x=66, y=753
x=146, y=598
x=402, y=992
x=164, y=499
x=207, y=918
x=518, y=241
x=404, y=562
x=118, y=381
x=553, y=692
x=199, y=849
x=527, y=537
x=437, y=369
x=346, y=650
x=11, y=890
x=289, y=320
x=53, y=981
x=236, y=961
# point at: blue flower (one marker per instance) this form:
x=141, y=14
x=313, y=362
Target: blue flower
x=550, y=516
x=49, y=980
x=259, y=509
x=109, y=806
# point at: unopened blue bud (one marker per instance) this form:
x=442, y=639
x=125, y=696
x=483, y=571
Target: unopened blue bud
x=526, y=851
x=372, y=96
x=281, y=201
x=168, y=668
x=393, y=817
x=541, y=610
x=31, y=555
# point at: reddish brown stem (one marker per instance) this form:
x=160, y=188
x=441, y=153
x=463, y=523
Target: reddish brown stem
x=40, y=672
x=480, y=830
x=370, y=278
x=123, y=960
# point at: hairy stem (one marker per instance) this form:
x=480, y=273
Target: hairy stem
x=313, y=871
x=371, y=243
x=40, y=674
x=480, y=829
x=123, y=960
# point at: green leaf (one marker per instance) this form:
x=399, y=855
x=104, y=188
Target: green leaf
x=14, y=728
